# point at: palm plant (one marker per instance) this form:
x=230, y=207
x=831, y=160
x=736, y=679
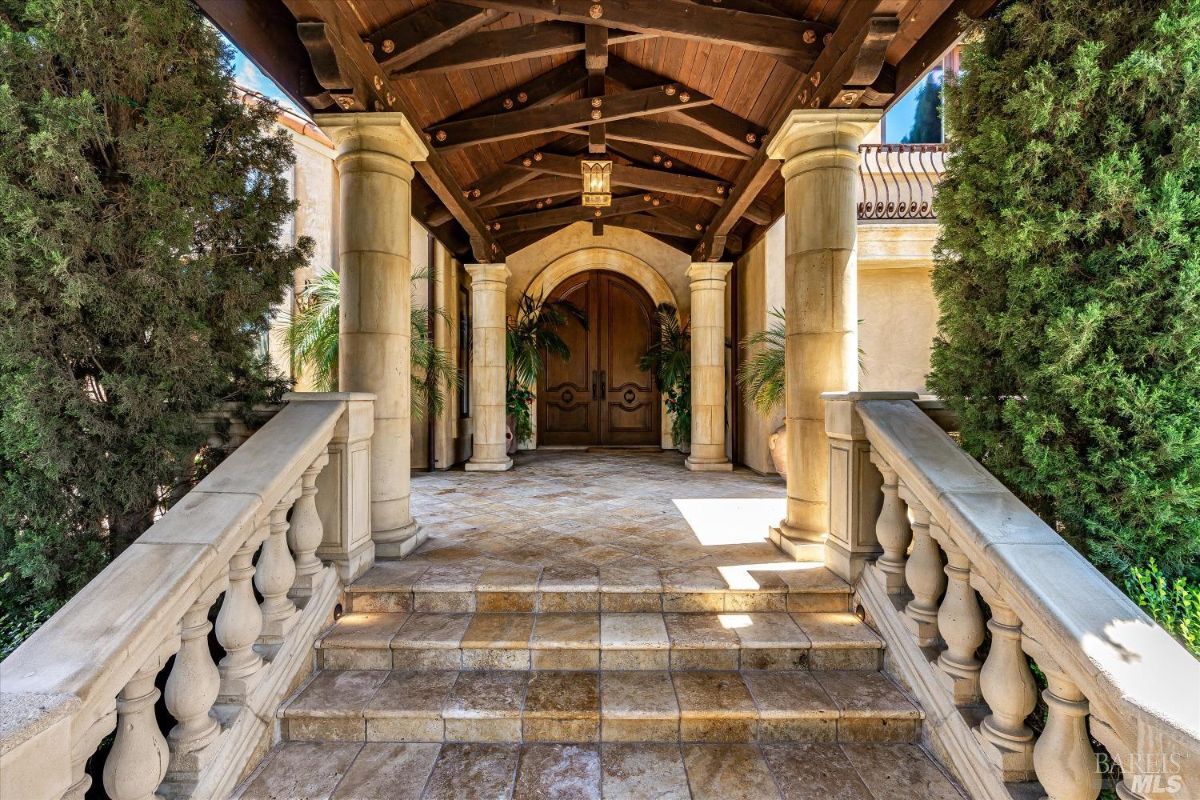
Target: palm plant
x=762, y=376
x=532, y=336
x=312, y=339
x=669, y=361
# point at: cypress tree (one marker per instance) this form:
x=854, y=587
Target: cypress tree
x=1068, y=270
x=141, y=210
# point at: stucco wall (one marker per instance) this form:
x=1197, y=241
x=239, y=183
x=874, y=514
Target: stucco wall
x=760, y=288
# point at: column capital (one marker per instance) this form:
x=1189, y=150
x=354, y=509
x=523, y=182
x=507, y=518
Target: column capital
x=388, y=132
x=821, y=130
x=709, y=271
x=488, y=273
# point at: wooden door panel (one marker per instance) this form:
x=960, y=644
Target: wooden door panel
x=567, y=412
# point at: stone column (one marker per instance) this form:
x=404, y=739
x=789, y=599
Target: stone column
x=819, y=150
x=375, y=152
x=708, y=368
x=489, y=452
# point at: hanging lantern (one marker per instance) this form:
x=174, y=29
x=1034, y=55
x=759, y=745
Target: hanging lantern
x=597, y=183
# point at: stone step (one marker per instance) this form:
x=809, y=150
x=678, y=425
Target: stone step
x=400, y=586
x=611, y=706
x=610, y=641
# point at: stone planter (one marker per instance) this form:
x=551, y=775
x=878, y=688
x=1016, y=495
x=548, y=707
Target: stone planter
x=510, y=438
x=778, y=444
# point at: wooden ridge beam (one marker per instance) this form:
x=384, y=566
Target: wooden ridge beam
x=546, y=88
x=629, y=176
x=374, y=88
x=723, y=126
x=566, y=215
x=562, y=116
x=670, y=135
x=426, y=31
x=489, y=48
x=796, y=40
x=596, y=60
x=811, y=90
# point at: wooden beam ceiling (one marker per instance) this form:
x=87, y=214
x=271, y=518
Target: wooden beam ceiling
x=629, y=176
x=671, y=135
x=563, y=116
x=797, y=40
x=426, y=31
x=566, y=215
x=543, y=90
x=374, y=89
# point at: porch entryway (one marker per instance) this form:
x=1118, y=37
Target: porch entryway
x=599, y=624
x=600, y=396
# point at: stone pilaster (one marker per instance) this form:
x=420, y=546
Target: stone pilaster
x=375, y=152
x=489, y=452
x=819, y=150
x=708, y=367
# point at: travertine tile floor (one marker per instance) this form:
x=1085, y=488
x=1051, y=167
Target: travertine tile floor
x=612, y=508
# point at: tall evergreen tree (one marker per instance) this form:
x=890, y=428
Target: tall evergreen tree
x=141, y=209
x=927, y=118
x=1068, y=270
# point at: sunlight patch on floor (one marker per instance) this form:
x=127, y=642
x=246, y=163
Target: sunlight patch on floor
x=738, y=576
x=734, y=621
x=731, y=520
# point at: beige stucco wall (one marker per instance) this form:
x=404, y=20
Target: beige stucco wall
x=896, y=307
x=760, y=288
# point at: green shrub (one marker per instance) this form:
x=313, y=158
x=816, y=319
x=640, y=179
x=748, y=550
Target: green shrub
x=1068, y=270
x=669, y=360
x=142, y=206
x=1173, y=604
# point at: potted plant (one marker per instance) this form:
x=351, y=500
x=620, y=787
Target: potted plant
x=312, y=339
x=762, y=380
x=669, y=360
x=532, y=336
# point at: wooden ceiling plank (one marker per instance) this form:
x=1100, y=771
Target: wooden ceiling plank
x=670, y=135
x=724, y=126
x=794, y=39
x=541, y=91
x=562, y=116
x=426, y=31
x=488, y=48
x=566, y=215
x=376, y=87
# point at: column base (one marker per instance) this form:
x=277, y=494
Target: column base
x=798, y=544
x=489, y=466
x=708, y=466
x=845, y=562
x=399, y=542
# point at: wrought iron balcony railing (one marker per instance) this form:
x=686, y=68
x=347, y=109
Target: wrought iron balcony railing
x=898, y=181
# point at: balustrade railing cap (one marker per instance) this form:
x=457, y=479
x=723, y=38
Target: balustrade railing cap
x=23, y=715
x=326, y=397
x=861, y=396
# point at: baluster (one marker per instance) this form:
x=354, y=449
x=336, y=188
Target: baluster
x=1008, y=688
x=960, y=622
x=138, y=760
x=193, y=685
x=306, y=533
x=1063, y=757
x=924, y=576
x=239, y=624
x=274, y=576
x=892, y=530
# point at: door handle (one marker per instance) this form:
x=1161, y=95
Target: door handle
x=595, y=384
x=603, y=383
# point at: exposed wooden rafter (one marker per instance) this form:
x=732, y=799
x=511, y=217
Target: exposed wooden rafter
x=542, y=188
x=543, y=90
x=520, y=223
x=562, y=116
x=426, y=31
x=628, y=176
x=671, y=135
x=796, y=40
x=374, y=89
x=489, y=48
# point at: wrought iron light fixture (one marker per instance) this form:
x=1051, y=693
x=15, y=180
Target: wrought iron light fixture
x=597, y=183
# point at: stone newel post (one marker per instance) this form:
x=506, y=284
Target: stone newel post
x=708, y=367
x=819, y=150
x=489, y=452
x=375, y=152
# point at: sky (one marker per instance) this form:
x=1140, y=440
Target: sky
x=899, y=119
x=250, y=77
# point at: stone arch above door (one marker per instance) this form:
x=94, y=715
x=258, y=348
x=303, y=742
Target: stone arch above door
x=604, y=258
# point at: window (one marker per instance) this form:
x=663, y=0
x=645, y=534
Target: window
x=916, y=118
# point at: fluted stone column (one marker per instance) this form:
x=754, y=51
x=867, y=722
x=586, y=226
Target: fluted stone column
x=819, y=150
x=708, y=368
x=375, y=152
x=489, y=451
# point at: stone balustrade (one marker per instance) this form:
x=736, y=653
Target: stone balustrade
x=296, y=493
x=942, y=555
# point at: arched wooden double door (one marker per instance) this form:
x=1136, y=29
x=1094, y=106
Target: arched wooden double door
x=600, y=396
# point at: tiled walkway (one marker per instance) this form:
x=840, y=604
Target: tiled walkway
x=609, y=508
